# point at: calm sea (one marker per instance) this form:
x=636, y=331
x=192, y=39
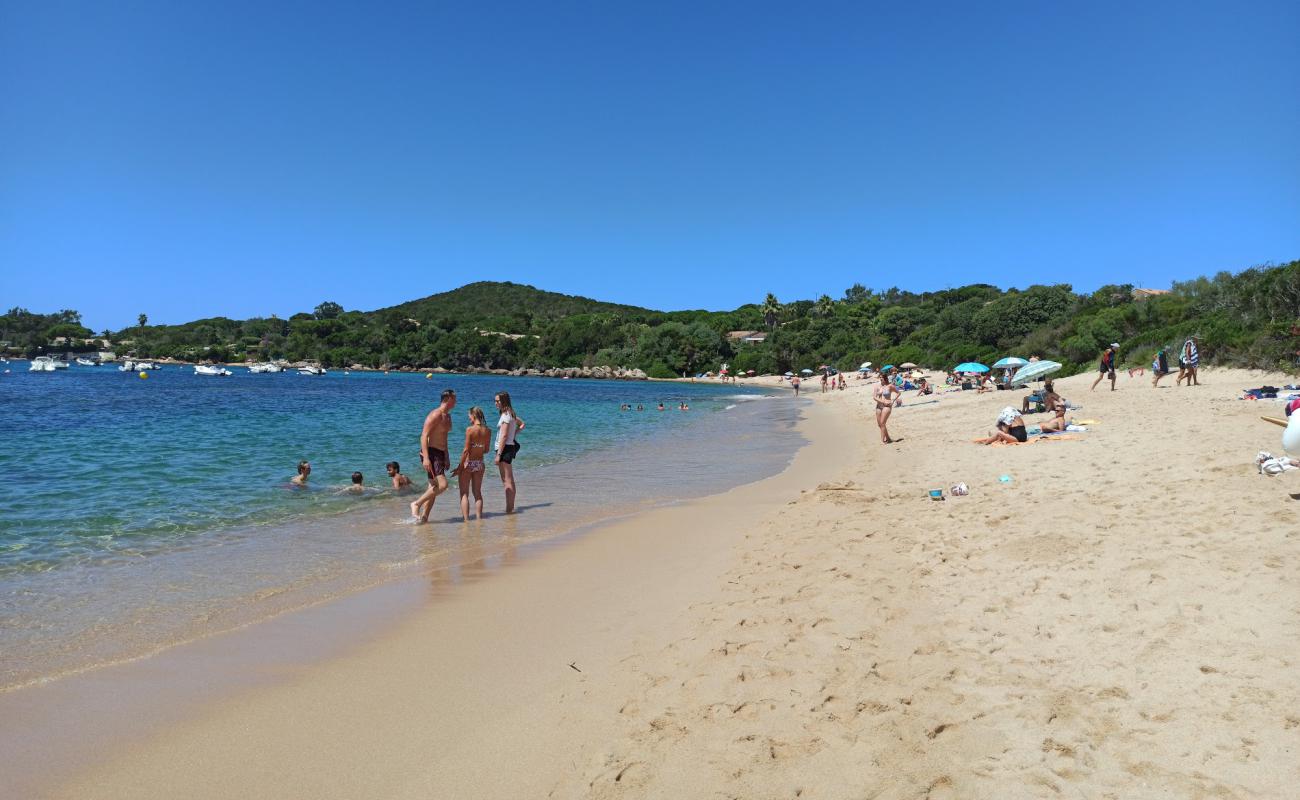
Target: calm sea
x=136, y=513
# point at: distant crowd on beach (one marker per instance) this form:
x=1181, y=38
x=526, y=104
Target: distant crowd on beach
x=893, y=382
x=469, y=468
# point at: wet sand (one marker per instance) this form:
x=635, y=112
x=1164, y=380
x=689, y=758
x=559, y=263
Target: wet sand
x=1120, y=619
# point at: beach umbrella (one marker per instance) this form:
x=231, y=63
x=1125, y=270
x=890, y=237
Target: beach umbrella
x=806, y=371
x=887, y=368
x=907, y=365
x=972, y=366
x=1010, y=361
x=916, y=374
x=1037, y=369
x=865, y=365
x=749, y=372
x=789, y=375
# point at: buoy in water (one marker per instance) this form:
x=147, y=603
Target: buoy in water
x=428, y=376
x=144, y=375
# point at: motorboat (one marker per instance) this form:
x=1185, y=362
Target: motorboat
x=146, y=365
x=42, y=364
x=132, y=366
x=60, y=363
x=86, y=362
x=311, y=370
x=126, y=366
x=267, y=367
x=211, y=369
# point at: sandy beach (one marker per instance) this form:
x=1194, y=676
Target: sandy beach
x=1118, y=619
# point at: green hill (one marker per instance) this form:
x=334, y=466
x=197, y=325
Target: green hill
x=1250, y=318
x=501, y=306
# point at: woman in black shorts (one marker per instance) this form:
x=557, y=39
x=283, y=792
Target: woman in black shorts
x=507, y=446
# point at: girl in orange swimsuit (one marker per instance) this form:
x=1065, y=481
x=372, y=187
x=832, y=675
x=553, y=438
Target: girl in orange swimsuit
x=478, y=436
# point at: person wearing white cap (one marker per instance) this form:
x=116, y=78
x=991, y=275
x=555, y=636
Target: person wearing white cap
x=1107, y=366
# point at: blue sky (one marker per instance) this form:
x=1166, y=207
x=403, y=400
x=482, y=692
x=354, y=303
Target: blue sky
x=241, y=158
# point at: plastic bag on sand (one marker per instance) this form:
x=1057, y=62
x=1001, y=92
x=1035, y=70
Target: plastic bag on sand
x=1268, y=465
x=960, y=490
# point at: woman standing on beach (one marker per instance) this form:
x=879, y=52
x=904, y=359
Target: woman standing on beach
x=469, y=472
x=885, y=396
x=507, y=427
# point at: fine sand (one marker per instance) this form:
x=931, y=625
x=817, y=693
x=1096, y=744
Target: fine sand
x=1120, y=619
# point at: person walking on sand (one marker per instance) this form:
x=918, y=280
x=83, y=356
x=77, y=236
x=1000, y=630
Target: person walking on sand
x=469, y=470
x=1106, y=368
x=795, y=383
x=1188, y=362
x=1159, y=367
x=433, y=454
x=885, y=396
x=508, y=427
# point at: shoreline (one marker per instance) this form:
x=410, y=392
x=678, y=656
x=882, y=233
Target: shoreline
x=105, y=689
x=1082, y=623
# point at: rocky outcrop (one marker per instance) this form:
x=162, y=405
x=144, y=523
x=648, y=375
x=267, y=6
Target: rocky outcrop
x=599, y=373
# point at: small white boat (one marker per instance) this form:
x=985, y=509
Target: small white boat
x=42, y=364
x=146, y=365
x=211, y=369
x=86, y=362
x=310, y=370
x=261, y=368
x=126, y=366
x=59, y=363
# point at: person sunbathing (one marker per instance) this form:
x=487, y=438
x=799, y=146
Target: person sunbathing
x=1010, y=429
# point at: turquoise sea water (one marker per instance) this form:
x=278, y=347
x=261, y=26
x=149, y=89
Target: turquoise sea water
x=136, y=513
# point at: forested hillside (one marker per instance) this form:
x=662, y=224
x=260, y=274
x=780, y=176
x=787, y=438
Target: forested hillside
x=1251, y=318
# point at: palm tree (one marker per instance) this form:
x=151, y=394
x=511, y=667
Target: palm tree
x=824, y=306
x=143, y=320
x=771, y=308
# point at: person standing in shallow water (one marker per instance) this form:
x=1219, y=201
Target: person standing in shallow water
x=469, y=471
x=433, y=454
x=508, y=426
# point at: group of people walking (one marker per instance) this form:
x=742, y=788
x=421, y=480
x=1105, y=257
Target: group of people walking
x=470, y=467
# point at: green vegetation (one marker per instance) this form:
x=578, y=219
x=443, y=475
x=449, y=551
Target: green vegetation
x=1251, y=318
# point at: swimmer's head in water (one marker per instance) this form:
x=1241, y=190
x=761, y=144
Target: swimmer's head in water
x=393, y=468
x=356, y=478
x=303, y=467
x=476, y=416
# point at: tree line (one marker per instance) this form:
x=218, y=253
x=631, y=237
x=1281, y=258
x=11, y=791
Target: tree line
x=1250, y=318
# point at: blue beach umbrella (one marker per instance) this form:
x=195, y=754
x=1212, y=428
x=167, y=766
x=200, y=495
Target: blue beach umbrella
x=970, y=366
x=887, y=368
x=1010, y=362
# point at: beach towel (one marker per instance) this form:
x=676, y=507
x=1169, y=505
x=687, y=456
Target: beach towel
x=1008, y=415
x=1270, y=466
x=1192, y=358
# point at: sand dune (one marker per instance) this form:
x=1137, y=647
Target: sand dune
x=1121, y=619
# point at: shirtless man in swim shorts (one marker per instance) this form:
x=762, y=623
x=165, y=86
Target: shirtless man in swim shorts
x=433, y=454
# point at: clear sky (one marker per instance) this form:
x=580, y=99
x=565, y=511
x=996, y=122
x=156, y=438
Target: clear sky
x=189, y=159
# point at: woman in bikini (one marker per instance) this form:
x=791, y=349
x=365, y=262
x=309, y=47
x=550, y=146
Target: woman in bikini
x=885, y=396
x=469, y=472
